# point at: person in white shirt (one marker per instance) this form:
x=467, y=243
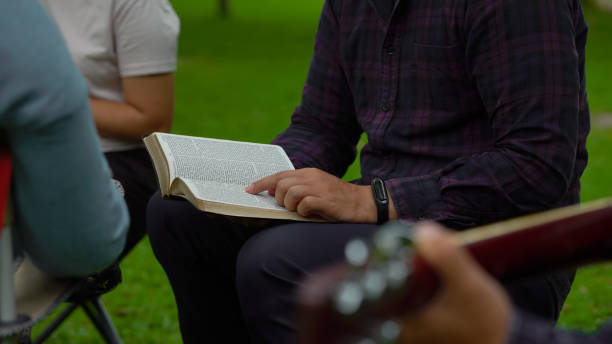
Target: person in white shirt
x=127, y=52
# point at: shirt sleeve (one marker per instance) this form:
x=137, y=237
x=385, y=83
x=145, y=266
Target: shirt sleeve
x=530, y=329
x=524, y=60
x=146, y=34
x=324, y=130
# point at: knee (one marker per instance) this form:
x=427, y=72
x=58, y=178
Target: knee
x=180, y=232
x=251, y=279
x=155, y=217
x=266, y=275
x=260, y=285
x=160, y=217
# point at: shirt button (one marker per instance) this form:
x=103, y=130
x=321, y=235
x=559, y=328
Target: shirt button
x=385, y=107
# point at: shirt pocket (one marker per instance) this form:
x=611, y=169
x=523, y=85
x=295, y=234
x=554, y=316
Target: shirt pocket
x=440, y=76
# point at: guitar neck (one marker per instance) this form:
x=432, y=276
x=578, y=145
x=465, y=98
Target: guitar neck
x=522, y=247
x=558, y=239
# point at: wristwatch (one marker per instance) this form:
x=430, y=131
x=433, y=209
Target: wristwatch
x=381, y=199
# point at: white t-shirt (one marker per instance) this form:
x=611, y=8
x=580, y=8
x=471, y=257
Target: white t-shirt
x=111, y=39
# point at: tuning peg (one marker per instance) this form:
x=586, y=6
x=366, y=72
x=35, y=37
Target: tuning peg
x=397, y=273
x=386, y=332
x=386, y=242
x=348, y=297
x=392, y=238
x=357, y=253
x=373, y=283
x=389, y=332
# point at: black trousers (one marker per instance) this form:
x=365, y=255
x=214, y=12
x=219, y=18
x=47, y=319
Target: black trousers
x=236, y=284
x=134, y=169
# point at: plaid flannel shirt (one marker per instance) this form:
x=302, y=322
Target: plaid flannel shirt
x=475, y=110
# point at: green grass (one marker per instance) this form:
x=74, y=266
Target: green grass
x=589, y=304
x=599, y=59
x=241, y=78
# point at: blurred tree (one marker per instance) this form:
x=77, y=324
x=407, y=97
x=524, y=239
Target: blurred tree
x=224, y=7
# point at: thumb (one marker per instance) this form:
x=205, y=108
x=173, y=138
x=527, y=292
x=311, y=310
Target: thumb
x=454, y=264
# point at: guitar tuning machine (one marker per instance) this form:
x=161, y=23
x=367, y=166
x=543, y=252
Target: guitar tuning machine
x=369, y=284
x=349, y=297
x=386, y=332
x=392, y=239
x=389, y=332
x=357, y=253
x=374, y=284
x=374, y=270
x=350, y=294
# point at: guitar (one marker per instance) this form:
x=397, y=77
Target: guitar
x=358, y=300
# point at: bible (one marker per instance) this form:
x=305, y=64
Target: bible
x=212, y=174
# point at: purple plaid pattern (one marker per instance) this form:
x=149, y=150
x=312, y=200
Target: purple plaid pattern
x=475, y=110
x=528, y=329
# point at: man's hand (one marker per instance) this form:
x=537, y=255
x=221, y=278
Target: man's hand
x=314, y=193
x=471, y=308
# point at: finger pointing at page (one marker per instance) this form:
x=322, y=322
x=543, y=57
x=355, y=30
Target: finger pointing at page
x=313, y=192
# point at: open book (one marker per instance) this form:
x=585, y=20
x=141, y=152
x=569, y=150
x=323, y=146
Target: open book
x=213, y=174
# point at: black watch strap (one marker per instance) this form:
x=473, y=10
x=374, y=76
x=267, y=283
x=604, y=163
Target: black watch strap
x=381, y=199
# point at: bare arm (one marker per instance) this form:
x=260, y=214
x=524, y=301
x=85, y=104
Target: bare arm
x=148, y=107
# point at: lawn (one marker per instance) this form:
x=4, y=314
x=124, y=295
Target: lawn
x=240, y=78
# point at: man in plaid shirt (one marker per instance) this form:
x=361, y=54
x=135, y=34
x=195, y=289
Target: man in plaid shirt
x=475, y=111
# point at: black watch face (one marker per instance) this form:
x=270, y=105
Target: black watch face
x=380, y=192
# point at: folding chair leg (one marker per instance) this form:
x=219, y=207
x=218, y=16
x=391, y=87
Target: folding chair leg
x=55, y=323
x=22, y=337
x=100, y=318
x=25, y=336
x=8, y=309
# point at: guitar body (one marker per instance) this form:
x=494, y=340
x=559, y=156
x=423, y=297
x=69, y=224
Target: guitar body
x=523, y=247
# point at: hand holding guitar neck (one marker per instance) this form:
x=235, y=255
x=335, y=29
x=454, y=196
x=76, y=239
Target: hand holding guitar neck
x=359, y=301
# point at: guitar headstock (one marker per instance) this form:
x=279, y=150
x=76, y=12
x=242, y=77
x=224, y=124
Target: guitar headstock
x=363, y=297
x=362, y=300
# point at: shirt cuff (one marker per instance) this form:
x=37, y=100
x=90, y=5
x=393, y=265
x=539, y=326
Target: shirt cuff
x=414, y=196
x=513, y=335
x=147, y=68
x=526, y=328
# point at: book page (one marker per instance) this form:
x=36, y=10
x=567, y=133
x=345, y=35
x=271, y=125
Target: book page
x=219, y=170
x=231, y=194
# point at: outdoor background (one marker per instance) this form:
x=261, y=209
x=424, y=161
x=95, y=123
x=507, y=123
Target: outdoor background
x=240, y=78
